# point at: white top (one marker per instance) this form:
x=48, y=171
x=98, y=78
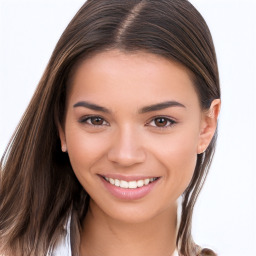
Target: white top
x=175, y=253
x=63, y=249
x=64, y=246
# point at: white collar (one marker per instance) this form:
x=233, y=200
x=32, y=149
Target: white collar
x=175, y=253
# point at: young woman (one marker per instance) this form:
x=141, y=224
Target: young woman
x=122, y=125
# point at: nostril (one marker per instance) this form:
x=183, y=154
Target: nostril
x=126, y=161
x=125, y=158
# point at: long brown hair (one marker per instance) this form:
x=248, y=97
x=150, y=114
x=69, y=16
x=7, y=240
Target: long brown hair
x=38, y=188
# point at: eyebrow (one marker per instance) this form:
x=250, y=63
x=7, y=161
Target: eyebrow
x=91, y=106
x=160, y=106
x=151, y=108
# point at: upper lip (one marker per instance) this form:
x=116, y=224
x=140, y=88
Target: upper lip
x=127, y=178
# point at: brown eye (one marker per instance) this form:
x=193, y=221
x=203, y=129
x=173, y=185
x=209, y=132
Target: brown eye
x=93, y=120
x=97, y=120
x=161, y=122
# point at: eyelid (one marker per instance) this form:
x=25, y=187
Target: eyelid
x=83, y=120
x=169, y=119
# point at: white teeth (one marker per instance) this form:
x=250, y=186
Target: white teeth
x=124, y=184
x=146, y=181
x=117, y=182
x=140, y=183
x=130, y=184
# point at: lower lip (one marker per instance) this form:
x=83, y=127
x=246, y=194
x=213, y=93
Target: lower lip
x=129, y=193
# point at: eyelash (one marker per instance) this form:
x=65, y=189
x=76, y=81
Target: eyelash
x=170, y=122
x=84, y=120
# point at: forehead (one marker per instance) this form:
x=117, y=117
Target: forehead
x=129, y=77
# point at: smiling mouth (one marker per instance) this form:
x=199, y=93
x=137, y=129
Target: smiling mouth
x=130, y=184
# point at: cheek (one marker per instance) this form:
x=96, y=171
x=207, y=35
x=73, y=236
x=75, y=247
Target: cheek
x=178, y=156
x=84, y=150
x=176, y=150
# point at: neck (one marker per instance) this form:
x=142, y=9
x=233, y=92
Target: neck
x=102, y=235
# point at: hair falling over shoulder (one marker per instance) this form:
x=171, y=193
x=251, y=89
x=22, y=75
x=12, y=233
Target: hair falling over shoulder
x=38, y=189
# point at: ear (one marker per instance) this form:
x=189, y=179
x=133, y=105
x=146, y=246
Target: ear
x=62, y=138
x=208, y=125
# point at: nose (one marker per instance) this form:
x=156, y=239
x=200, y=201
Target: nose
x=127, y=148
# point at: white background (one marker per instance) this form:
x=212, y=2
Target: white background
x=226, y=210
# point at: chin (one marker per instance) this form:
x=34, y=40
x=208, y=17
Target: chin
x=132, y=212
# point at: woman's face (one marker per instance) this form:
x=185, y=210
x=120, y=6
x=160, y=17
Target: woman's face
x=133, y=130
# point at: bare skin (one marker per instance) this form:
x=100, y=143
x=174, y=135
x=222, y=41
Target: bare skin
x=127, y=238
x=131, y=117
